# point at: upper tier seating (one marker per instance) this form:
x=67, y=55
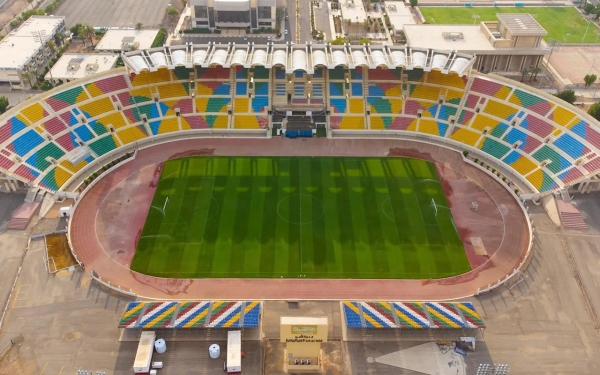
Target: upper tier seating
x=548, y=143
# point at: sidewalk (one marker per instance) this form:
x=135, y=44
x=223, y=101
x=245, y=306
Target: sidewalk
x=187, y=12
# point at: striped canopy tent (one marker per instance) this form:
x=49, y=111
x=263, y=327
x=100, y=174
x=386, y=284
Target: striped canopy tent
x=186, y=315
x=412, y=315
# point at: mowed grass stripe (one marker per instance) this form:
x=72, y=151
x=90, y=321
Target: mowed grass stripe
x=299, y=217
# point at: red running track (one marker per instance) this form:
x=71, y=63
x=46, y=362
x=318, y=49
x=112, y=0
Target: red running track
x=111, y=215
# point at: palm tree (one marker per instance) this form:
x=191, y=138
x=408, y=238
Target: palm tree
x=26, y=75
x=89, y=32
x=524, y=72
x=534, y=72
x=81, y=34
x=139, y=25
x=172, y=13
x=51, y=45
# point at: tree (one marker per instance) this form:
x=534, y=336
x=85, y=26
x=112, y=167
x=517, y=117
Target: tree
x=567, y=95
x=184, y=2
x=339, y=41
x=172, y=13
x=524, y=72
x=90, y=33
x=534, y=72
x=414, y=3
x=3, y=104
x=589, y=8
x=51, y=45
x=75, y=29
x=139, y=25
x=26, y=75
x=589, y=80
x=81, y=34
x=594, y=111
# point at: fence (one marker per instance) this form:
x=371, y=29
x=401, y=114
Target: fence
x=108, y=284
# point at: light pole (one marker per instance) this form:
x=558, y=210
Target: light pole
x=475, y=18
x=593, y=62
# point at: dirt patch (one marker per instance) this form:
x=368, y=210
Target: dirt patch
x=58, y=250
x=19, y=359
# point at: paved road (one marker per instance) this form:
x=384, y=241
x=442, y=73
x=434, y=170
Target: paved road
x=303, y=20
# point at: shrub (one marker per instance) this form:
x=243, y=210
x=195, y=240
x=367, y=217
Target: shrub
x=465, y=153
x=517, y=191
x=476, y=160
x=160, y=38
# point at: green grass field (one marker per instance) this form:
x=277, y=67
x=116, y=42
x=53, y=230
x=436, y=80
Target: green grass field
x=299, y=217
x=558, y=21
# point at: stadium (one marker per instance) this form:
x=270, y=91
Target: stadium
x=250, y=173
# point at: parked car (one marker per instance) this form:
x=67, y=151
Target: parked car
x=285, y=32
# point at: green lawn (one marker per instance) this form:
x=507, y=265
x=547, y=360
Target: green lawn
x=558, y=21
x=290, y=216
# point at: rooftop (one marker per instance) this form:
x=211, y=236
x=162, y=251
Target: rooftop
x=399, y=14
x=353, y=10
x=79, y=65
x=464, y=38
x=521, y=24
x=22, y=44
x=124, y=39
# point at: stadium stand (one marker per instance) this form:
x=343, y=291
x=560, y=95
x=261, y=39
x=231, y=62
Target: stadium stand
x=543, y=140
x=412, y=315
x=189, y=315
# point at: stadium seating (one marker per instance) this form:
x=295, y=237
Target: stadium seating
x=547, y=143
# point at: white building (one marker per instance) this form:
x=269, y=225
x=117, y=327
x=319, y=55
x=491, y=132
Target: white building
x=510, y=44
x=79, y=65
x=26, y=49
x=233, y=14
x=126, y=40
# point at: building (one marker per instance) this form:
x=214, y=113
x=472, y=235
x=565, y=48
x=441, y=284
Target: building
x=233, y=14
x=73, y=66
x=25, y=52
x=510, y=44
x=399, y=14
x=122, y=40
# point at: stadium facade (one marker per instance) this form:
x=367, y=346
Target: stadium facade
x=233, y=14
x=540, y=142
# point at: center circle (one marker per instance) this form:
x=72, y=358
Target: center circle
x=300, y=209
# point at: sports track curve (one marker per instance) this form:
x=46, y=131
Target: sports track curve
x=110, y=216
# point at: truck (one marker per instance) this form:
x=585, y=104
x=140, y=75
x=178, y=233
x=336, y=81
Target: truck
x=143, y=357
x=234, y=352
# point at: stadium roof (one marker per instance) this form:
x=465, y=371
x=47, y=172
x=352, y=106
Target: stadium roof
x=22, y=44
x=303, y=57
x=79, y=65
x=125, y=39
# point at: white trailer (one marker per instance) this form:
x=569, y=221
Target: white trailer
x=143, y=357
x=234, y=352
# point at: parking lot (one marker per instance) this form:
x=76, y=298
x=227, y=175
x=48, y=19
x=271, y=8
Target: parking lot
x=115, y=13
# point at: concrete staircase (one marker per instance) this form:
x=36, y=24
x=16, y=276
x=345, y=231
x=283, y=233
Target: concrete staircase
x=570, y=216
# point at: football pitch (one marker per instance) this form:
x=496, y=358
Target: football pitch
x=290, y=217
